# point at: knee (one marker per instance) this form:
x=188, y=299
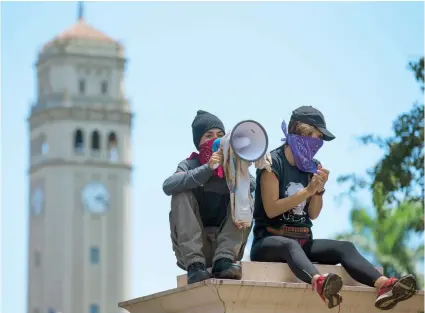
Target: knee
x=185, y=197
x=347, y=247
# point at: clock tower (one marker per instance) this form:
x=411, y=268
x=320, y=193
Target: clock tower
x=79, y=176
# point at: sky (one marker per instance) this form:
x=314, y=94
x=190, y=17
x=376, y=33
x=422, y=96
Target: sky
x=237, y=60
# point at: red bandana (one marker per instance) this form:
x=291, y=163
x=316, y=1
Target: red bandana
x=204, y=155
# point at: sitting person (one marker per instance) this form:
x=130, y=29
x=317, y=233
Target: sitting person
x=289, y=197
x=203, y=233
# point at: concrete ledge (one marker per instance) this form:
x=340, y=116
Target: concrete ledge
x=228, y=296
x=280, y=272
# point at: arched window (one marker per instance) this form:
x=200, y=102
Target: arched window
x=79, y=141
x=37, y=258
x=112, y=147
x=44, y=146
x=82, y=86
x=33, y=147
x=95, y=141
x=94, y=308
x=104, y=87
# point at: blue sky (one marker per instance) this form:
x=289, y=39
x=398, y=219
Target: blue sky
x=236, y=60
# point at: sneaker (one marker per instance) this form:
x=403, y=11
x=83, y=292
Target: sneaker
x=395, y=290
x=197, y=272
x=328, y=287
x=226, y=269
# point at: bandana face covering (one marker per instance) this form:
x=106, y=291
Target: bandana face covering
x=303, y=149
x=205, y=152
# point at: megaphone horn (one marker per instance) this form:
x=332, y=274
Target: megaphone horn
x=248, y=140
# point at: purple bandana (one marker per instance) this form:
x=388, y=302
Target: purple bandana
x=303, y=149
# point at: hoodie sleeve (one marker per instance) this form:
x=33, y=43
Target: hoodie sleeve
x=186, y=179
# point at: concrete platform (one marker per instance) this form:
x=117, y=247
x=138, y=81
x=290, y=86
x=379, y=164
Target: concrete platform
x=280, y=272
x=260, y=291
x=227, y=296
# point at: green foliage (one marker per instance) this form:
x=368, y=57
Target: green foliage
x=397, y=185
x=401, y=170
x=387, y=239
x=418, y=69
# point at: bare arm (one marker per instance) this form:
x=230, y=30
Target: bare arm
x=315, y=207
x=186, y=179
x=316, y=203
x=273, y=206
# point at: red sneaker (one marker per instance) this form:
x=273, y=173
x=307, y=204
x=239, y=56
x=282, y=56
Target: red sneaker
x=395, y=290
x=328, y=287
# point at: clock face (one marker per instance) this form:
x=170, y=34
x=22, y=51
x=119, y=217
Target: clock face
x=37, y=200
x=95, y=197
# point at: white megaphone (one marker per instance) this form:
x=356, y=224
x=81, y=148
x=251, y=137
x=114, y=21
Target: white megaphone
x=249, y=141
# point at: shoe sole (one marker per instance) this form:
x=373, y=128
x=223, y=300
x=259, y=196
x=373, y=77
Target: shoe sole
x=331, y=288
x=235, y=272
x=402, y=290
x=196, y=279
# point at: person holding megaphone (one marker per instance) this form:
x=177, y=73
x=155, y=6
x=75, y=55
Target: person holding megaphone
x=202, y=232
x=289, y=198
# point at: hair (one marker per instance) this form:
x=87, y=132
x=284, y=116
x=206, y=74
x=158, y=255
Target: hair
x=302, y=129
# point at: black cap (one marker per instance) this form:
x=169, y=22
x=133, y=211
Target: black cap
x=202, y=123
x=312, y=116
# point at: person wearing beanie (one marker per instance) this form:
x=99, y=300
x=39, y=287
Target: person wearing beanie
x=203, y=233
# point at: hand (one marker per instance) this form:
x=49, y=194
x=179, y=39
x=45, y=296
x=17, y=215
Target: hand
x=216, y=158
x=324, y=174
x=314, y=184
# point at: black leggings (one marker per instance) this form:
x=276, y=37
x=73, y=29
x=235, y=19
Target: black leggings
x=323, y=251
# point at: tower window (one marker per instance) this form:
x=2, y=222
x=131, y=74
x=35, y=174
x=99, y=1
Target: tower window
x=95, y=141
x=112, y=147
x=94, y=308
x=37, y=259
x=82, y=86
x=44, y=148
x=94, y=255
x=104, y=87
x=33, y=146
x=79, y=141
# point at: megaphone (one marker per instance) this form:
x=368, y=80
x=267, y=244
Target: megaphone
x=248, y=139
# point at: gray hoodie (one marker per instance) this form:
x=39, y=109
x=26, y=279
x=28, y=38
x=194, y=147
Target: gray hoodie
x=211, y=191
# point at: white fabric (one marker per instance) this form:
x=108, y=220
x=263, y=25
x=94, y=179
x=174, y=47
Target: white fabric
x=238, y=180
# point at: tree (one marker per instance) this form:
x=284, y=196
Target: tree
x=388, y=239
x=401, y=170
x=397, y=186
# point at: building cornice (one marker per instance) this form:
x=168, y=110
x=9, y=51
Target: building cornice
x=87, y=163
x=38, y=118
x=122, y=61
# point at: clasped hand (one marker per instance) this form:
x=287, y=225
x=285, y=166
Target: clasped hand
x=318, y=181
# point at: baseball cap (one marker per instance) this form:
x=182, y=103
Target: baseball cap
x=312, y=116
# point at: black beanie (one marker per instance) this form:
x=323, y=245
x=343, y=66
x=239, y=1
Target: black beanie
x=202, y=123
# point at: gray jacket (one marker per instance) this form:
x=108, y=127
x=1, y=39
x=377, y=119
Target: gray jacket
x=210, y=191
x=190, y=174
